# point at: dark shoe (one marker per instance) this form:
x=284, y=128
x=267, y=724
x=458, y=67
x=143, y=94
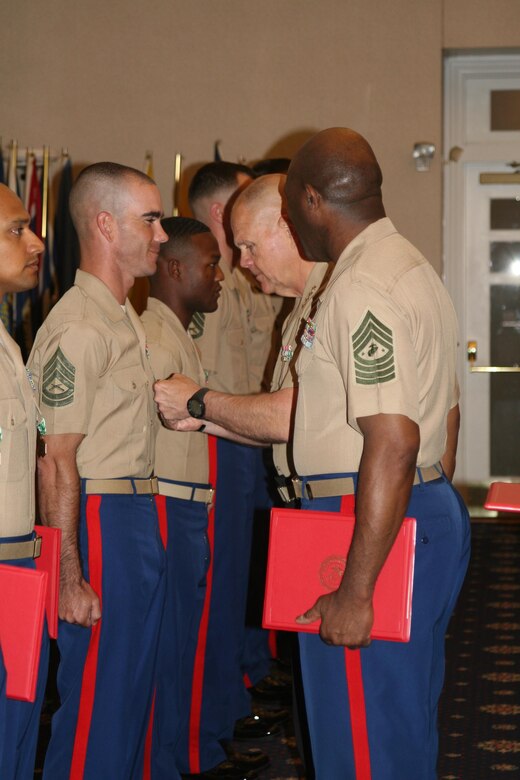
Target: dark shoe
x=226, y=770
x=255, y=727
x=250, y=760
x=274, y=717
x=272, y=689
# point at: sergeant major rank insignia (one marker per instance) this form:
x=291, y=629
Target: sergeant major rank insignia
x=373, y=349
x=196, y=326
x=58, y=381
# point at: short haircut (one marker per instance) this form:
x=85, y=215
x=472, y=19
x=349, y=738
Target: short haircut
x=106, y=175
x=215, y=176
x=179, y=230
x=271, y=165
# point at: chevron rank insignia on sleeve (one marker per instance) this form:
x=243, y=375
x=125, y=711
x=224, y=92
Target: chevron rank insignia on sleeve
x=373, y=348
x=58, y=381
x=196, y=326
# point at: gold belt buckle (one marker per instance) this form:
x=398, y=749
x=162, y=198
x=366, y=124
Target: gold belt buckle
x=154, y=486
x=297, y=488
x=211, y=495
x=37, y=551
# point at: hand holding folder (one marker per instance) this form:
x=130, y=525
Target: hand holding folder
x=306, y=559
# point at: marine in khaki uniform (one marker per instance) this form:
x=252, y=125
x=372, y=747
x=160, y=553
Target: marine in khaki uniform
x=384, y=333
x=187, y=280
x=95, y=390
x=19, y=250
x=377, y=415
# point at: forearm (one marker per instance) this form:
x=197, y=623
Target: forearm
x=448, y=460
x=59, y=501
x=223, y=433
x=261, y=418
x=385, y=481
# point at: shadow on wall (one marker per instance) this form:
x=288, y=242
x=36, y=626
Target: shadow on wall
x=286, y=146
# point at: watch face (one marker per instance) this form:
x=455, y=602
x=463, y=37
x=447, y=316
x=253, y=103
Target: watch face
x=196, y=408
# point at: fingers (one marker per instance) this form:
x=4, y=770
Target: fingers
x=312, y=614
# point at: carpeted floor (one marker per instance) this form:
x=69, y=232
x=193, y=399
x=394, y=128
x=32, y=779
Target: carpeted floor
x=480, y=708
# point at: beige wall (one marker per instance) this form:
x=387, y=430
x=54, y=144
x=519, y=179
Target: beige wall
x=109, y=80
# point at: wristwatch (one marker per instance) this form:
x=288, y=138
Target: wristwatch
x=196, y=406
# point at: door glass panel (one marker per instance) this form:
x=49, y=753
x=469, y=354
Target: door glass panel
x=505, y=388
x=505, y=213
x=505, y=109
x=505, y=257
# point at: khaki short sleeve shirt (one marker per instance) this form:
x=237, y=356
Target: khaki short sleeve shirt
x=179, y=456
x=284, y=374
x=259, y=312
x=93, y=374
x=384, y=341
x=222, y=342
x=17, y=441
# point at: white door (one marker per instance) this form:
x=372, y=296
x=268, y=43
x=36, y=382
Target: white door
x=482, y=258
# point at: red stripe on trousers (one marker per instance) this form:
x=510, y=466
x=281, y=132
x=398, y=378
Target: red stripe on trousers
x=147, y=769
x=272, y=641
x=160, y=503
x=356, y=694
x=198, y=667
x=88, y=684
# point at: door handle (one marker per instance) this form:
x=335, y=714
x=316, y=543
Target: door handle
x=472, y=358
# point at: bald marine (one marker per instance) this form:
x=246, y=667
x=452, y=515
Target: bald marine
x=267, y=245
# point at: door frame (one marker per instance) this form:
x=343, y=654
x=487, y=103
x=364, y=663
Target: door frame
x=459, y=70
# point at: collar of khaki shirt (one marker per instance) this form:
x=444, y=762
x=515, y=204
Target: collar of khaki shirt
x=100, y=293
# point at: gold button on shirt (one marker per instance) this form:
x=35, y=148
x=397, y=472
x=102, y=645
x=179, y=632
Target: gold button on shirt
x=18, y=441
x=384, y=341
x=179, y=456
x=93, y=375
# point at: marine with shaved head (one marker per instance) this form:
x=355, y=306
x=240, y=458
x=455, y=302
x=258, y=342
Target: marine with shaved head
x=375, y=424
x=378, y=411
x=91, y=366
x=19, y=258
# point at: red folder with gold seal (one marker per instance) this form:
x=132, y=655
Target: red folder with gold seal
x=306, y=559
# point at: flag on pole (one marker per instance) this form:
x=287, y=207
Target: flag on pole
x=66, y=245
x=148, y=164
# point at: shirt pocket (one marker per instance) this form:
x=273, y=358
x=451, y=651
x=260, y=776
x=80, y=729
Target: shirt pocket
x=128, y=397
x=14, y=454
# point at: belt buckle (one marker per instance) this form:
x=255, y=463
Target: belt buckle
x=154, y=486
x=297, y=487
x=37, y=551
x=211, y=496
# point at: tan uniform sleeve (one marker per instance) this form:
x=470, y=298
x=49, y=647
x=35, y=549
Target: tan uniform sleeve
x=67, y=365
x=376, y=356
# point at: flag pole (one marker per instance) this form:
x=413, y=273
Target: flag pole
x=13, y=163
x=176, y=184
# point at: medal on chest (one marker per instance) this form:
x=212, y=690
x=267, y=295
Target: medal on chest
x=286, y=353
x=309, y=333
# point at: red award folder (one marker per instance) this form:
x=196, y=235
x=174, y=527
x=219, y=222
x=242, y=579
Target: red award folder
x=22, y=608
x=49, y=561
x=306, y=559
x=503, y=496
